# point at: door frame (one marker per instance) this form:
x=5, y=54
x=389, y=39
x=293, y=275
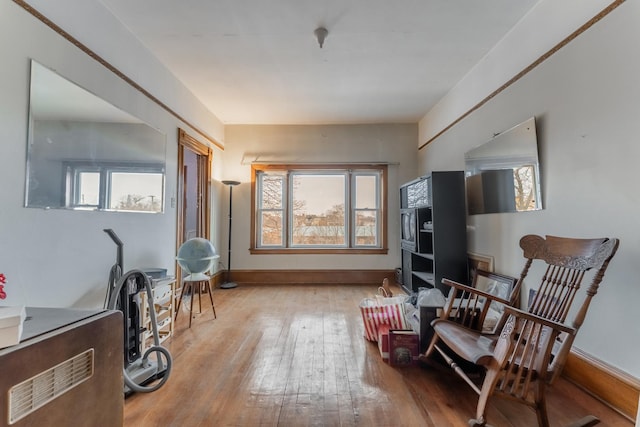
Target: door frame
x=205, y=157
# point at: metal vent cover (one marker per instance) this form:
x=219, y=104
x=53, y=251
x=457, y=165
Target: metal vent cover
x=35, y=392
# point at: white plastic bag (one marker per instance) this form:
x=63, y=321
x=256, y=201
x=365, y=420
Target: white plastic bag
x=432, y=297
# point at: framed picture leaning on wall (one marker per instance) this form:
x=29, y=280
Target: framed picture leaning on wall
x=478, y=262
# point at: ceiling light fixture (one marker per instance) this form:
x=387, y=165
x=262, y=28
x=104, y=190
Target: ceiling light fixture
x=321, y=34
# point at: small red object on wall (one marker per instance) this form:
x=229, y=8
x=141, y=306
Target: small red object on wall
x=3, y=281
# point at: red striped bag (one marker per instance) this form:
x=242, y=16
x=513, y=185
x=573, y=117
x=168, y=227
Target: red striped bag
x=382, y=311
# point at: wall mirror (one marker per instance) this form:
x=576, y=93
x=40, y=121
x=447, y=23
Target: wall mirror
x=86, y=154
x=503, y=174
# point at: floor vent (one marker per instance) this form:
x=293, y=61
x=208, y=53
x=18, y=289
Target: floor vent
x=29, y=395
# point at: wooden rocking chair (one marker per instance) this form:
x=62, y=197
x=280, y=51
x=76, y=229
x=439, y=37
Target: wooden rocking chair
x=530, y=347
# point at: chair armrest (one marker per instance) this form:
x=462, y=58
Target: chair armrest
x=520, y=314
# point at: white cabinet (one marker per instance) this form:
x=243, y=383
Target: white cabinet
x=163, y=291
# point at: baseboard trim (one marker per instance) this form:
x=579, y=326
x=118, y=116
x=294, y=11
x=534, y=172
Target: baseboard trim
x=217, y=279
x=296, y=277
x=612, y=386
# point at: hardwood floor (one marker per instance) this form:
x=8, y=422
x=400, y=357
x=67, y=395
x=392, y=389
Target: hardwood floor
x=284, y=355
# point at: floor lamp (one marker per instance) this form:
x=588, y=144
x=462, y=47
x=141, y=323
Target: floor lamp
x=228, y=284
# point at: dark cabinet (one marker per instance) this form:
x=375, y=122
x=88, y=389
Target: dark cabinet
x=433, y=235
x=66, y=371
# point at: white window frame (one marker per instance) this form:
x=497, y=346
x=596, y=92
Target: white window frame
x=377, y=209
x=281, y=209
x=72, y=171
x=351, y=172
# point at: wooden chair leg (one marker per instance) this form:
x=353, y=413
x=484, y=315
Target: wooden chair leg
x=432, y=345
x=458, y=370
x=541, y=405
x=208, y=285
x=490, y=380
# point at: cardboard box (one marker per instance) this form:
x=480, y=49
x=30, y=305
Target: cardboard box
x=383, y=342
x=404, y=347
x=11, y=321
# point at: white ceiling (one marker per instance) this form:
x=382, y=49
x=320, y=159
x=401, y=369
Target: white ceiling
x=258, y=62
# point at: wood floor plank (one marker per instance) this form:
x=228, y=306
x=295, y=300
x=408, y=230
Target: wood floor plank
x=285, y=355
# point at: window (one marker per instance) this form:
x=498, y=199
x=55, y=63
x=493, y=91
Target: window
x=525, y=187
x=87, y=188
x=108, y=186
x=319, y=208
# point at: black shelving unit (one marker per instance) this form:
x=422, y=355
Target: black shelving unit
x=434, y=237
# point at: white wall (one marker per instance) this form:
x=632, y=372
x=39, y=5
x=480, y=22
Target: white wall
x=59, y=258
x=330, y=144
x=586, y=99
x=547, y=23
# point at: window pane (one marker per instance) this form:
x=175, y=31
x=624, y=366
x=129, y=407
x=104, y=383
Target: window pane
x=272, y=191
x=524, y=179
x=271, y=231
x=136, y=191
x=318, y=209
x=88, y=188
x=366, y=228
x=365, y=192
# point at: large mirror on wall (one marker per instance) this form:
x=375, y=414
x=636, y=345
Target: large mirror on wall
x=503, y=174
x=85, y=154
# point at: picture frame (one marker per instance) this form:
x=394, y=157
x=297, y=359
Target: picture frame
x=477, y=262
x=499, y=285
